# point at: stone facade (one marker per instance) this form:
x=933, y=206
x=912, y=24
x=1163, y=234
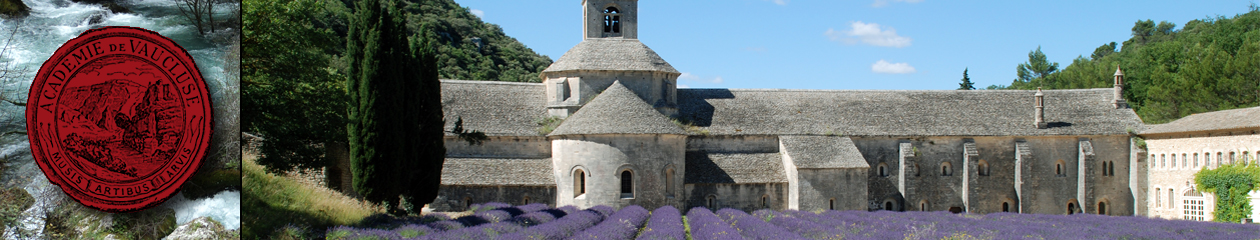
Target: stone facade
x=1179, y=149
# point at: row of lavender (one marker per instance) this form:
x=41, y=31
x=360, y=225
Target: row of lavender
x=538, y=221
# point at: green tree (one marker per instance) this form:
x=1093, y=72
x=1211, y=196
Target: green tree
x=1103, y=51
x=395, y=113
x=1033, y=73
x=966, y=83
x=289, y=95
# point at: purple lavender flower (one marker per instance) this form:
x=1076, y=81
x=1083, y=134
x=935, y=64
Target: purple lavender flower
x=620, y=225
x=665, y=224
x=705, y=225
x=560, y=228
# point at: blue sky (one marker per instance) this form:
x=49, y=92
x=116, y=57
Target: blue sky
x=865, y=44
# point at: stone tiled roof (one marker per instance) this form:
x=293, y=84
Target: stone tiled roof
x=823, y=152
x=617, y=110
x=704, y=167
x=902, y=113
x=496, y=108
x=497, y=172
x=611, y=54
x=1242, y=118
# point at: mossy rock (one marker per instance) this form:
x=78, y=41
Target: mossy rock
x=202, y=228
x=14, y=8
x=209, y=181
x=13, y=202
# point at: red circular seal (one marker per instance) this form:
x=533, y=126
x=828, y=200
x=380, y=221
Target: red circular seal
x=119, y=117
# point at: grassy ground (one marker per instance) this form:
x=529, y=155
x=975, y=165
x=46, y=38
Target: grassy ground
x=272, y=202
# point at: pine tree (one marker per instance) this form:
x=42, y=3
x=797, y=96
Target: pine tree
x=966, y=82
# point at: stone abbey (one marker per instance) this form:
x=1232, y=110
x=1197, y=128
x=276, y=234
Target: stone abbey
x=629, y=136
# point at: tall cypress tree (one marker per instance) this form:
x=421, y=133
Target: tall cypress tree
x=394, y=109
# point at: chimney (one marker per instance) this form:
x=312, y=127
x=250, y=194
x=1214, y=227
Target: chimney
x=1118, y=100
x=1040, y=114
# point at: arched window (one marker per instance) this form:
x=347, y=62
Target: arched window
x=1006, y=207
x=467, y=203
x=1158, y=202
x=525, y=201
x=1111, y=168
x=669, y=182
x=1185, y=161
x=1220, y=158
x=1060, y=168
x=915, y=170
x=882, y=170
x=764, y=204
x=888, y=205
x=946, y=169
x=1153, y=161
x=711, y=202
x=1104, y=168
x=983, y=168
x=923, y=205
x=1102, y=208
x=579, y=182
x=1072, y=207
x=1233, y=158
x=831, y=204
x=612, y=20
x=1196, y=160
x=1192, y=206
x=1207, y=160
x=1173, y=160
x=627, y=184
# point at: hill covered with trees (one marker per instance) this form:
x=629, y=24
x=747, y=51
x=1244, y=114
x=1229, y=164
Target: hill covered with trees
x=1208, y=65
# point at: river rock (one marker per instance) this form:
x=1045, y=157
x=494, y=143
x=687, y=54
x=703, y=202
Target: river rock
x=201, y=228
x=14, y=8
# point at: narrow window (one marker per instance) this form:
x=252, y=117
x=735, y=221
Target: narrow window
x=711, y=202
x=883, y=170
x=1102, y=208
x=1184, y=160
x=983, y=168
x=923, y=205
x=669, y=182
x=1060, y=168
x=1158, y=199
x=1111, y=168
x=1207, y=160
x=467, y=203
x=946, y=169
x=612, y=20
x=579, y=182
x=1163, y=160
x=1006, y=207
x=831, y=204
x=525, y=201
x=1170, y=198
x=1104, y=168
x=888, y=206
x=1196, y=159
x=1071, y=208
x=1153, y=161
x=915, y=170
x=1220, y=159
x=763, y=201
x=627, y=184
x=1173, y=160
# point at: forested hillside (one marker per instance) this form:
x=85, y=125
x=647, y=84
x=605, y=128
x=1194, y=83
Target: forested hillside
x=1207, y=65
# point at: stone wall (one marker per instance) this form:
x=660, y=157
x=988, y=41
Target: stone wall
x=916, y=178
x=1166, y=175
x=602, y=158
x=458, y=198
x=832, y=189
x=733, y=143
x=746, y=197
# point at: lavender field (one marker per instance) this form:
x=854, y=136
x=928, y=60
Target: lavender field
x=538, y=221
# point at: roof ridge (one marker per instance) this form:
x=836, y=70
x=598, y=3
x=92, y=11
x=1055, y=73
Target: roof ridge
x=617, y=110
x=488, y=82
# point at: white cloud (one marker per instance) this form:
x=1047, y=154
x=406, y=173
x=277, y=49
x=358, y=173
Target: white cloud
x=479, y=13
x=882, y=3
x=869, y=33
x=779, y=2
x=694, y=78
x=891, y=68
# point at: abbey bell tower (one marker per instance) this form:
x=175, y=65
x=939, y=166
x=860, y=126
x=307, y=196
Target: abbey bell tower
x=610, y=18
x=610, y=51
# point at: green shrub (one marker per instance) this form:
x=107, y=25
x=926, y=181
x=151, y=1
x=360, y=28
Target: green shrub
x=1230, y=183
